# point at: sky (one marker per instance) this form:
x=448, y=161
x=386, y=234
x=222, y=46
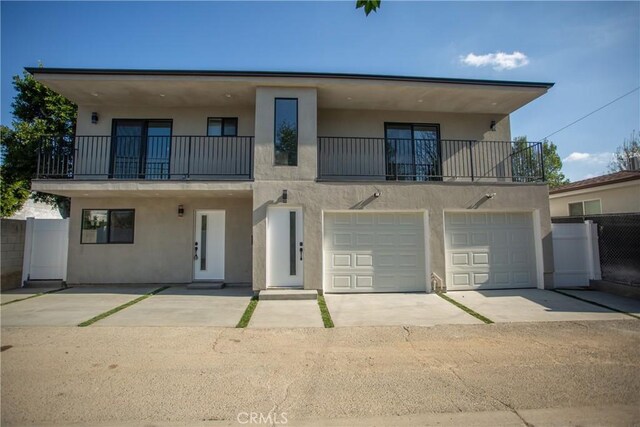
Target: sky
x=590, y=50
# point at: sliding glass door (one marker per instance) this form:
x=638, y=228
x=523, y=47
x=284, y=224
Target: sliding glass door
x=413, y=152
x=141, y=149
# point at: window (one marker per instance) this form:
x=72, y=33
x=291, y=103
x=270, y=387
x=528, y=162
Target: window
x=222, y=126
x=141, y=149
x=107, y=225
x=588, y=207
x=286, y=132
x=413, y=151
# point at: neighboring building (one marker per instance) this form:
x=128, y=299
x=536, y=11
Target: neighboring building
x=33, y=209
x=607, y=194
x=335, y=182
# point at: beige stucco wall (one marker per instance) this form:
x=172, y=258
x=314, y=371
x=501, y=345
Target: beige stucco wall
x=186, y=121
x=370, y=123
x=264, y=134
x=436, y=198
x=615, y=198
x=163, y=242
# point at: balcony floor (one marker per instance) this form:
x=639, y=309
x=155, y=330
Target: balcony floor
x=121, y=188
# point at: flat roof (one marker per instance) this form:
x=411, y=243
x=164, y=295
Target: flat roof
x=222, y=73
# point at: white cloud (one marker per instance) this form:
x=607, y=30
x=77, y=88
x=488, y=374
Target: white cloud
x=591, y=158
x=498, y=60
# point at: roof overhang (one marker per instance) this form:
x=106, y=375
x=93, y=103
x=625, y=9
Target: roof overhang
x=192, y=88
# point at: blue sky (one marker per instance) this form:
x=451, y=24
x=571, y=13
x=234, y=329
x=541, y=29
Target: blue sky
x=591, y=50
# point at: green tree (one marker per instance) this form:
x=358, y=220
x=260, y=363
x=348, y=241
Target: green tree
x=42, y=119
x=525, y=162
x=287, y=144
x=368, y=5
x=629, y=149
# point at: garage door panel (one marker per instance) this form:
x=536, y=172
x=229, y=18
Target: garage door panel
x=341, y=281
x=383, y=253
x=342, y=239
x=364, y=260
x=341, y=260
x=489, y=250
x=365, y=239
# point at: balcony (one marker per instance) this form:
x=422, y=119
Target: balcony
x=205, y=158
x=383, y=159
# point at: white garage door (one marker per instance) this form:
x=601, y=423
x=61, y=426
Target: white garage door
x=374, y=252
x=490, y=250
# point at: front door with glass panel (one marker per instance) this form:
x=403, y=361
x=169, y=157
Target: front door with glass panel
x=141, y=149
x=285, y=247
x=208, y=250
x=413, y=152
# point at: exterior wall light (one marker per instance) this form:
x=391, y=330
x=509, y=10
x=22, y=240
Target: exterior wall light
x=284, y=196
x=180, y=211
x=376, y=194
x=492, y=127
x=94, y=117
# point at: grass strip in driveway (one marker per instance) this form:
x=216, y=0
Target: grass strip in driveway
x=246, y=316
x=465, y=308
x=121, y=307
x=596, y=303
x=324, y=312
x=33, y=296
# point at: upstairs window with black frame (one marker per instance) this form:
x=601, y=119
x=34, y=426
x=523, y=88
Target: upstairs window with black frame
x=286, y=132
x=107, y=226
x=222, y=126
x=413, y=151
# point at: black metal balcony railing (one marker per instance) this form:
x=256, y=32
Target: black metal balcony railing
x=353, y=158
x=148, y=158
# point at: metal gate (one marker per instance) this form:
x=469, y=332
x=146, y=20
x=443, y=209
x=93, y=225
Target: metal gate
x=45, y=249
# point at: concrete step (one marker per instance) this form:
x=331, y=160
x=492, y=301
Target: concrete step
x=205, y=285
x=288, y=294
x=44, y=284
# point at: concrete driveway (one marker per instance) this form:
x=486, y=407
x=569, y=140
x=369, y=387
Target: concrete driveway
x=410, y=309
x=532, y=305
x=179, y=306
x=70, y=306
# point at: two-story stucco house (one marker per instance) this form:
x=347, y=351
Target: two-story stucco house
x=334, y=182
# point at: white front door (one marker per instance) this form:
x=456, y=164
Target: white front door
x=208, y=251
x=285, y=247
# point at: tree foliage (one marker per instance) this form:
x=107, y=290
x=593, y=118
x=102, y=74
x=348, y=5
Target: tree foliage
x=368, y=5
x=42, y=118
x=525, y=162
x=629, y=149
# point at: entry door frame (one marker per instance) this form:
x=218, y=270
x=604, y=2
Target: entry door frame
x=222, y=237
x=272, y=280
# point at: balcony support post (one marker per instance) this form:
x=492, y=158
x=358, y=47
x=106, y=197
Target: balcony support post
x=471, y=159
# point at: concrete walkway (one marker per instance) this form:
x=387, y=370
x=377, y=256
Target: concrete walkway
x=531, y=305
x=412, y=309
x=179, y=306
x=628, y=305
x=69, y=307
x=287, y=314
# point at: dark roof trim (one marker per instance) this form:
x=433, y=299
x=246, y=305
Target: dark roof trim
x=574, y=186
x=125, y=72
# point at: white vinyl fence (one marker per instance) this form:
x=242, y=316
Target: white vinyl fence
x=45, y=249
x=575, y=254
